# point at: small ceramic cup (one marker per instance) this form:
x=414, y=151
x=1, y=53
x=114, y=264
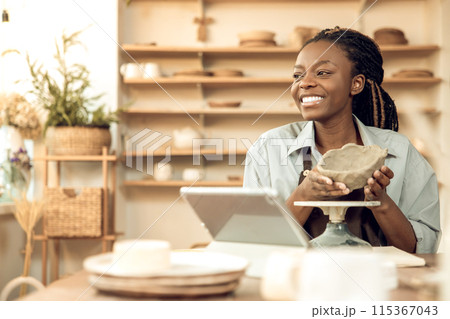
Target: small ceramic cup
x=151, y=70
x=163, y=173
x=192, y=174
x=131, y=70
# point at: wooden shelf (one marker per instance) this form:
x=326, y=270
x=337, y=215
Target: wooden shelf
x=109, y=237
x=239, y=81
x=215, y=111
x=174, y=183
x=430, y=111
x=77, y=158
x=240, y=1
x=142, y=49
x=188, y=152
x=406, y=50
x=210, y=81
x=414, y=81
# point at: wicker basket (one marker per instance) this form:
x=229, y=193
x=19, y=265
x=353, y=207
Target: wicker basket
x=70, y=215
x=77, y=140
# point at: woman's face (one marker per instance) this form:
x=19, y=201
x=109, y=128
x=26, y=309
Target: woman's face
x=323, y=84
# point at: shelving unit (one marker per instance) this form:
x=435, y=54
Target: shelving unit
x=267, y=71
x=108, y=211
x=189, y=152
x=212, y=112
x=140, y=50
x=238, y=81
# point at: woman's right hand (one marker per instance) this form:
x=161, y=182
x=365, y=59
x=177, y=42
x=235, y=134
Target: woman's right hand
x=317, y=187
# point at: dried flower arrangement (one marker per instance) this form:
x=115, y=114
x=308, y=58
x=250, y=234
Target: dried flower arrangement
x=27, y=214
x=16, y=169
x=16, y=111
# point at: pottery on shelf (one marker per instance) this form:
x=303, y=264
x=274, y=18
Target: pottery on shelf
x=257, y=35
x=193, y=174
x=413, y=73
x=300, y=35
x=227, y=72
x=352, y=164
x=257, y=39
x=183, y=138
x=163, y=173
x=224, y=103
x=388, y=36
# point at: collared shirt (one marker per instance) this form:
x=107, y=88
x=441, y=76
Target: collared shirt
x=276, y=160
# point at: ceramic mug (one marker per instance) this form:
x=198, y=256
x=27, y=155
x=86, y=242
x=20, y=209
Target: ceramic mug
x=343, y=274
x=193, y=174
x=151, y=70
x=163, y=173
x=327, y=274
x=131, y=70
x=183, y=138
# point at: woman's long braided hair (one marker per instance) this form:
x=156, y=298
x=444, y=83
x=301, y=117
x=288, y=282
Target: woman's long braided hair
x=373, y=106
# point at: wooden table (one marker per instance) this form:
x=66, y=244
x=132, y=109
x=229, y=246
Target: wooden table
x=76, y=287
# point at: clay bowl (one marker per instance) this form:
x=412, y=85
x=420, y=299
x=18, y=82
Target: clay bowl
x=224, y=103
x=256, y=36
x=352, y=164
x=257, y=43
x=192, y=73
x=388, y=36
x=227, y=73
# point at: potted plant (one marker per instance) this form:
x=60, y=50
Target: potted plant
x=74, y=125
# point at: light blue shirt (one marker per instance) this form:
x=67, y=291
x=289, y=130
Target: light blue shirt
x=276, y=160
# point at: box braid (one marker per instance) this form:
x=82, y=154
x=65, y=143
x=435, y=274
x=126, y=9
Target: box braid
x=373, y=106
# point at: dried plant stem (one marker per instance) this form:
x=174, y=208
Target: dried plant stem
x=26, y=265
x=27, y=214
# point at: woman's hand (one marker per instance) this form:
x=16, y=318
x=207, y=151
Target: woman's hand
x=317, y=187
x=375, y=190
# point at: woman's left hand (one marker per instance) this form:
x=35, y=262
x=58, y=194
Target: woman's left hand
x=375, y=190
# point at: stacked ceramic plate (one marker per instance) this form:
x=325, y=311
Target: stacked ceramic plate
x=257, y=39
x=413, y=73
x=194, y=72
x=227, y=73
x=224, y=103
x=192, y=273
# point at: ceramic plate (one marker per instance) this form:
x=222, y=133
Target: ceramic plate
x=137, y=287
x=184, y=264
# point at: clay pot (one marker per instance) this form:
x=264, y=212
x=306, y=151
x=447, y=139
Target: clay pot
x=352, y=164
x=256, y=36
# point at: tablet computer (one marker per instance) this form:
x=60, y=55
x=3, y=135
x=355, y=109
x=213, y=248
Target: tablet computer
x=245, y=215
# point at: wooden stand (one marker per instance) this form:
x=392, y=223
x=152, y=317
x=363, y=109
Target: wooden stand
x=108, y=224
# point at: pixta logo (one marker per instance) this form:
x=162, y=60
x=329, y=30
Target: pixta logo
x=144, y=144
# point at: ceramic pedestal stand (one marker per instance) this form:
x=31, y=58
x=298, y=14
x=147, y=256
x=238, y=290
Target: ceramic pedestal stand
x=337, y=232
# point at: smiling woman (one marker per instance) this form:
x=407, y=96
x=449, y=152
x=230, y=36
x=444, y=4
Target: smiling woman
x=337, y=87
